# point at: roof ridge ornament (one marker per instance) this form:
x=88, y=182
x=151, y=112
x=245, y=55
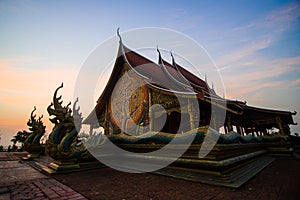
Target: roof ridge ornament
x=173, y=59
x=157, y=49
x=168, y=74
x=179, y=72
x=118, y=34
x=159, y=55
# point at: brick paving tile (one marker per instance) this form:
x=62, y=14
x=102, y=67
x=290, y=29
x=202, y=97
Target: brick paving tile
x=20, y=181
x=63, y=198
x=40, y=190
x=38, y=198
x=62, y=193
x=53, y=196
x=274, y=182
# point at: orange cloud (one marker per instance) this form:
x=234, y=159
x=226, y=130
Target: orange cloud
x=22, y=88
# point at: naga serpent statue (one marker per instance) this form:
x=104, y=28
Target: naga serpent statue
x=63, y=143
x=32, y=143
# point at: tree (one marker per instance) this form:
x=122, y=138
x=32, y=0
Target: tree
x=20, y=137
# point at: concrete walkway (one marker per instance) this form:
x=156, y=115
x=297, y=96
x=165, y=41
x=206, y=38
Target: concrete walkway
x=20, y=181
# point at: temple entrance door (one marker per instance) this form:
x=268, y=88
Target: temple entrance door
x=173, y=123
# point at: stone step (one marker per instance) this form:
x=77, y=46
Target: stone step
x=240, y=175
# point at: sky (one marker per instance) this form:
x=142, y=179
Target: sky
x=254, y=44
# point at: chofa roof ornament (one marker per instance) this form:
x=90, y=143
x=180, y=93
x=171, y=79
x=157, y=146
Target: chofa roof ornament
x=118, y=34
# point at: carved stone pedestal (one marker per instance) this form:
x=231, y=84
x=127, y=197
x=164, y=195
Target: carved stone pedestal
x=31, y=156
x=34, y=151
x=60, y=166
x=57, y=167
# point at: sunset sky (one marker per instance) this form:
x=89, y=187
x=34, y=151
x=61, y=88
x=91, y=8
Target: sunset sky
x=255, y=45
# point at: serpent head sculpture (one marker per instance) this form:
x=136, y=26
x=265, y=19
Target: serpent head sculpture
x=64, y=134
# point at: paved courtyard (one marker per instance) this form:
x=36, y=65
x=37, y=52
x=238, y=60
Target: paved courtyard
x=280, y=180
x=20, y=181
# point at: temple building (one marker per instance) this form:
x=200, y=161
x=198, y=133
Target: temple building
x=169, y=121
x=136, y=83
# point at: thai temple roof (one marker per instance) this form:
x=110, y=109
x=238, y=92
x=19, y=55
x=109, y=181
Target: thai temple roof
x=179, y=80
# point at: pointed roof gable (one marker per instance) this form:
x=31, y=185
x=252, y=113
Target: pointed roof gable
x=151, y=73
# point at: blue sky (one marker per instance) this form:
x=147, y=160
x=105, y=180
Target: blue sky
x=255, y=44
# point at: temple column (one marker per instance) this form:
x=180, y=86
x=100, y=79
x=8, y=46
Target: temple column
x=253, y=130
x=242, y=130
x=225, y=129
x=190, y=111
x=229, y=124
x=238, y=129
x=280, y=126
x=257, y=132
x=264, y=131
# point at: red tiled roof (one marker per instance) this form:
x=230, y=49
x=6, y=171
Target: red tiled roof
x=155, y=72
